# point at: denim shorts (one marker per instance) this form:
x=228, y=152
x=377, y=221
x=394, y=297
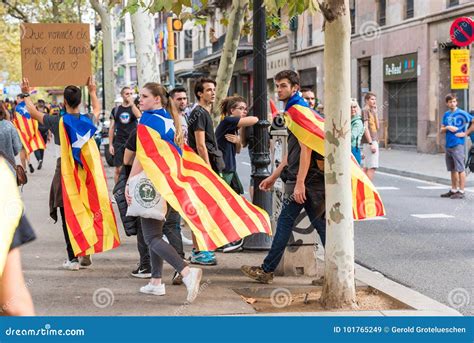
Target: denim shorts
x=455, y=158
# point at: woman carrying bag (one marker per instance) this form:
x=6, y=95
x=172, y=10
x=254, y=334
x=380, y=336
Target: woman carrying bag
x=153, y=100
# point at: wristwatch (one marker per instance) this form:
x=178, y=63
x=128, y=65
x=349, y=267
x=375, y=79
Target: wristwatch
x=25, y=95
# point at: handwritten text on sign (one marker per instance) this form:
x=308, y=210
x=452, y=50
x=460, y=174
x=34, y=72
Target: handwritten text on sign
x=55, y=54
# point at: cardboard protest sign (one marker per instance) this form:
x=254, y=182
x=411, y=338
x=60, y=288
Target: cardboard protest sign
x=55, y=54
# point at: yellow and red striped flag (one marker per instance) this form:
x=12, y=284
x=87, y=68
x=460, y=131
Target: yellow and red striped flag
x=11, y=210
x=27, y=128
x=90, y=218
x=216, y=214
x=308, y=127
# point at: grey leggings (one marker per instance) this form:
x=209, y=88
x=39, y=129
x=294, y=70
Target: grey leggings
x=159, y=249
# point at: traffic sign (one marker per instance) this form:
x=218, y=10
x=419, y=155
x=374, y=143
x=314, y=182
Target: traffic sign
x=462, y=31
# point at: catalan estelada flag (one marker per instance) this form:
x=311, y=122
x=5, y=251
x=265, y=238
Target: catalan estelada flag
x=308, y=127
x=216, y=214
x=11, y=210
x=90, y=218
x=27, y=128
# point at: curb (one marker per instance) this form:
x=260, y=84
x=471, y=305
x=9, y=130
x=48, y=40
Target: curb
x=421, y=304
x=422, y=177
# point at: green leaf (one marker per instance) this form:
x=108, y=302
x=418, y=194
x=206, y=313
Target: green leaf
x=224, y=21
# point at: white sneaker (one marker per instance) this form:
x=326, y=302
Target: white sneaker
x=192, y=282
x=71, y=265
x=186, y=241
x=153, y=289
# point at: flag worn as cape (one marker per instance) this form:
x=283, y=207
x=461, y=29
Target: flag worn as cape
x=308, y=127
x=11, y=210
x=216, y=214
x=90, y=218
x=27, y=128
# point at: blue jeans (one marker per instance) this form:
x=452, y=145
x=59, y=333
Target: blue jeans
x=356, y=153
x=286, y=220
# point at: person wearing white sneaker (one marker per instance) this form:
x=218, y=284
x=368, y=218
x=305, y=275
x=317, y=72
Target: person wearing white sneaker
x=71, y=264
x=152, y=100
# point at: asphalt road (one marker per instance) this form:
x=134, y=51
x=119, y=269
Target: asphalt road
x=425, y=242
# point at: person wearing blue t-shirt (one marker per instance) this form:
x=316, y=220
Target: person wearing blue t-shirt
x=455, y=122
x=234, y=117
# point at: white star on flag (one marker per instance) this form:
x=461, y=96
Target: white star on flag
x=169, y=124
x=81, y=140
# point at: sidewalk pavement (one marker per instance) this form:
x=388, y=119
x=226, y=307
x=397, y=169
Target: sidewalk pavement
x=427, y=167
x=107, y=289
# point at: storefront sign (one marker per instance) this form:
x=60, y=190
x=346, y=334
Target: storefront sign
x=459, y=69
x=403, y=67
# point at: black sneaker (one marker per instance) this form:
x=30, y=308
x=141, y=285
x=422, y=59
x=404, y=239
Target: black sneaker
x=234, y=246
x=457, y=195
x=142, y=272
x=447, y=195
x=40, y=164
x=32, y=170
x=177, y=279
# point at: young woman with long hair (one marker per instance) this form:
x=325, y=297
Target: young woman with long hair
x=153, y=101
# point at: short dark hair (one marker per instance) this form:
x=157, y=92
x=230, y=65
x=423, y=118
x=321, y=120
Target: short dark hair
x=21, y=96
x=451, y=96
x=177, y=90
x=306, y=89
x=199, y=86
x=290, y=75
x=72, y=95
x=124, y=89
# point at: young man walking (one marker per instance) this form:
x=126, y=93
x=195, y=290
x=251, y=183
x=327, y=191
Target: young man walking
x=370, y=144
x=302, y=172
x=202, y=139
x=455, y=122
x=72, y=101
x=123, y=120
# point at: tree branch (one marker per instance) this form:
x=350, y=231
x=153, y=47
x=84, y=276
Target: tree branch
x=15, y=12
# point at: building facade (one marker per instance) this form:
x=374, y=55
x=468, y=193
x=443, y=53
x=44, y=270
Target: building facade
x=400, y=51
x=125, y=62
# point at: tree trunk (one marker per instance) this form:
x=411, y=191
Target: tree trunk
x=229, y=52
x=109, y=91
x=339, y=287
x=147, y=58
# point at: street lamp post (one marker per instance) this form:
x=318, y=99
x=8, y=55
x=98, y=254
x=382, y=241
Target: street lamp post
x=261, y=153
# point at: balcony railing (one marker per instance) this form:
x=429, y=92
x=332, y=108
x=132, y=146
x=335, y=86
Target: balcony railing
x=219, y=44
x=200, y=54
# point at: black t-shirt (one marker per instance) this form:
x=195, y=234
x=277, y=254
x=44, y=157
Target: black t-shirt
x=125, y=122
x=200, y=120
x=227, y=126
x=131, y=143
x=314, y=178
